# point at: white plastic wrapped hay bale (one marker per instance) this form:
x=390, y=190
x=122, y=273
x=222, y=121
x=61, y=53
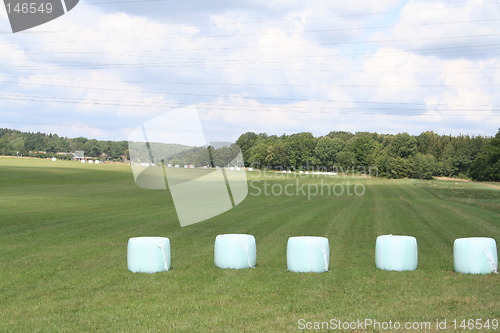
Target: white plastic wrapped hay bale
x=148, y=254
x=475, y=255
x=235, y=251
x=396, y=253
x=308, y=254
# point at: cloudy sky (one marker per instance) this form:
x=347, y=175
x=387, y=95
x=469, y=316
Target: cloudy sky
x=274, y=66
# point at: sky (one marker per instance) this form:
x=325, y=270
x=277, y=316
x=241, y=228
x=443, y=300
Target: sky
x=273, y=66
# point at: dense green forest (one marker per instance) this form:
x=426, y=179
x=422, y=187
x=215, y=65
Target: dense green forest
x=13, y=142
x=392, y=156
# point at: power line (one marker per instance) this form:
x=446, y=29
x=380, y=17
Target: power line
x=122, y=2
x=192, y=62
x=274, y=46
x=171, y=82
x=239, y=35
x=202, y=63
x=209, y=65
x=255, y=108
x=291, y=18
x=433, y=50
x=251, y=97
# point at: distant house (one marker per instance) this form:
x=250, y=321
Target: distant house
x=79, y=155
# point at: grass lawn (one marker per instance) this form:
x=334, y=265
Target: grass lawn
x=64, y=228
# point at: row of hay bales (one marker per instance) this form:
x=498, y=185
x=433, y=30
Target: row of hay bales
x=476, y=255
x=54, y=159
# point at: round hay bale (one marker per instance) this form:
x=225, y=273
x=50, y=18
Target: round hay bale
x=475, y=255
x=235, y=251
x=396, y=253
x=308, y=254
x=148, y=254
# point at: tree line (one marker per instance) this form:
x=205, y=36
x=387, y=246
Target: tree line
x=393, y=156
x=13, y=142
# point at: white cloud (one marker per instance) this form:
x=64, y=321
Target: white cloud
x=273, y=64
x=450, y=27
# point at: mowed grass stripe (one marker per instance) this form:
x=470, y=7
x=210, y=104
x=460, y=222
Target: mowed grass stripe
x=459, y=220
x=63, y=258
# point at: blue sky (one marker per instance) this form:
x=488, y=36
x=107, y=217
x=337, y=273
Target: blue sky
x=278, y=67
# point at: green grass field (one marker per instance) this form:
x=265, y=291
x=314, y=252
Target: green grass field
x=64, y=229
